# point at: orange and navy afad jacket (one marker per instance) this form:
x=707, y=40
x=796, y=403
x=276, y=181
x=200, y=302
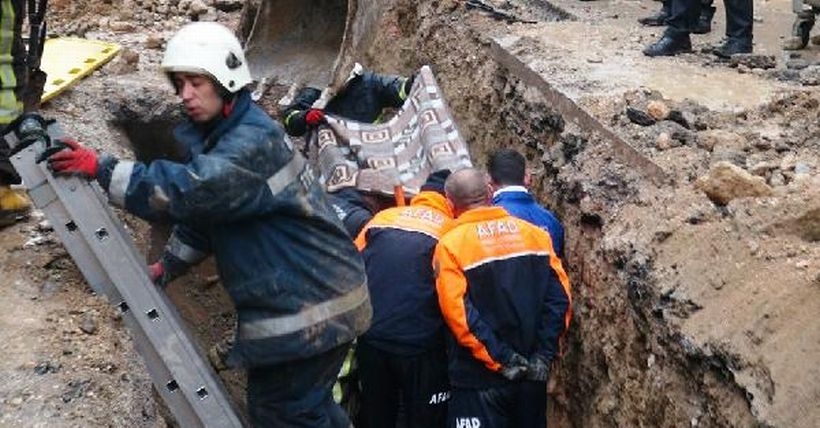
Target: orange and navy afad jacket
x=501, y=290
x=397, y=246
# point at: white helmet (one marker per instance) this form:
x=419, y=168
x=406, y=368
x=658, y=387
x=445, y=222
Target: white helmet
x=208, y=48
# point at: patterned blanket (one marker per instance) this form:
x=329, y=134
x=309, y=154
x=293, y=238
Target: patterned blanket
x=421, y=138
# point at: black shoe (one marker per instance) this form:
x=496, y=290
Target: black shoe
x=655, y=20
x=704, y=24
x=733, y=46
x=669, y=46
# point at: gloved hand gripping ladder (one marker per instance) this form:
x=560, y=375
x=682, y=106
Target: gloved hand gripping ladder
x=106, y=256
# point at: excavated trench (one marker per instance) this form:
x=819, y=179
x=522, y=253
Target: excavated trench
x=624, y=363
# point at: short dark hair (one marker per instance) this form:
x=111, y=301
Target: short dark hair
x=507, y=167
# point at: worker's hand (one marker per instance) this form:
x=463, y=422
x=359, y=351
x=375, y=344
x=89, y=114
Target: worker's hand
x=516, y=368
x=314, y=117
x=156, y=271
x=539, y=369
x=75, y=159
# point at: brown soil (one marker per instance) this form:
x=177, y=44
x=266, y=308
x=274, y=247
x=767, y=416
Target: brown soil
x=687, y=312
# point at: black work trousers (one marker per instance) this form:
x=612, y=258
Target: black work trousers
x=521, y=404
x=297, y=394
x=683, y=17
x=418, y=384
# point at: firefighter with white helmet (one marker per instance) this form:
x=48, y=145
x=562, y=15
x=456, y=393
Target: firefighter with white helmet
x=244, y=196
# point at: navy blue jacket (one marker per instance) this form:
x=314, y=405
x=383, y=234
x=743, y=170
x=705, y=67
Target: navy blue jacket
x=351, y=208
x=397, y=246
x=295, y=277
x=521, y=204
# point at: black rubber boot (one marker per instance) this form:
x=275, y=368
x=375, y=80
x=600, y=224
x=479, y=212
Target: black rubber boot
x=669, y=45
x=704, y=24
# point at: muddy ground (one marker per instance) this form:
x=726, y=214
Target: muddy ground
x=695, y=294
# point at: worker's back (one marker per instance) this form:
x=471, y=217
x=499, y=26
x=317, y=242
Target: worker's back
x=397, y=246
x=502, y=290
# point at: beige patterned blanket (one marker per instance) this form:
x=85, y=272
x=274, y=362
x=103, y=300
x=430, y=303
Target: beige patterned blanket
x=421, y=138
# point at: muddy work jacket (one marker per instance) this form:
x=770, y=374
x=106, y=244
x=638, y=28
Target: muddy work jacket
x=244, y=196
x=362, y=99
x=501, y=290
x=397, y=246
x=12, y=77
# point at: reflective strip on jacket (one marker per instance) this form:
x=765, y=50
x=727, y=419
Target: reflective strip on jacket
x=293, y=273
x=12, y=60
x=397, y=246
x=501, y=290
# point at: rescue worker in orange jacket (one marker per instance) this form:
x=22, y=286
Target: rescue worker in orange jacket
x=506, y=300
x=401, y=358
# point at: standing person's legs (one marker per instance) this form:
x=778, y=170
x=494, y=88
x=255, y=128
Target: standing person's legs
x=707, y=12
x=739, y=19
x=531, y=405
x=380, y=389
x=659, y=18
x=491, y=407
x=297, y=394
x=425, y=389
x=683, y=17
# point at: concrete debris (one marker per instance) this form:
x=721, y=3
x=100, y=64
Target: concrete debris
x=810, y=76
x=678, y=135
x=802, y=168
x=718, y=138
x=753, y=61
x=50, y=287
x=797, y=64
x=121, y=26
x=726, y=182
x=154, y=42
x=683, y=118
x=639, y=117
x=46, y=367
x=126, y=62
x=664, y=141
x=88, y=325
x=75, y=389
x=807, y=225
x=657, y=109
x=777, y=179
x=763, y=168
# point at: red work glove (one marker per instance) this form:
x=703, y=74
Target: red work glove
x=155, y=271
x=314, y=117
x=75, y=159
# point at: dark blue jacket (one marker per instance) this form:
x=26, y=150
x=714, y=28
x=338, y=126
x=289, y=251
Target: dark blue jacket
x=351, y=208
x=397, y=246
x=295, y=277
x=521, y=204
